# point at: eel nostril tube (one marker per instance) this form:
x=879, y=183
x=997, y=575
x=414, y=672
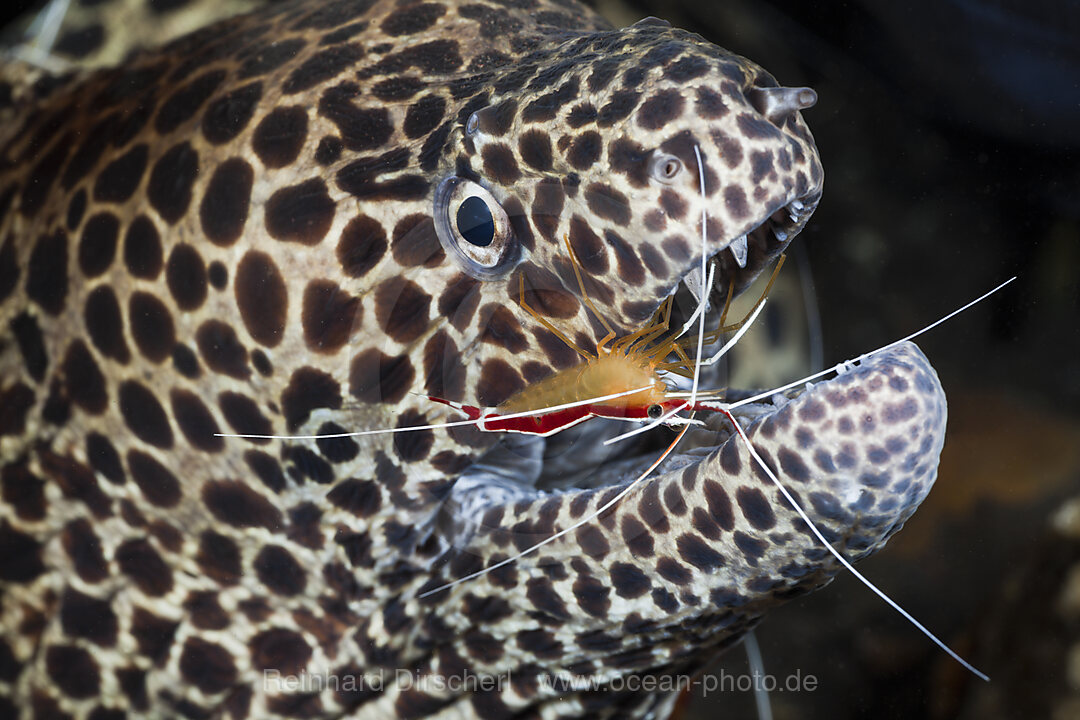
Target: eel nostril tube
x=777, y=103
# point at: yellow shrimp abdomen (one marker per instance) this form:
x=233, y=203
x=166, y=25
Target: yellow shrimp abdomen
x=607, y=375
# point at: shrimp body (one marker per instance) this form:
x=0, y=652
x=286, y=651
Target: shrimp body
x=588, y=387
x=606, y=375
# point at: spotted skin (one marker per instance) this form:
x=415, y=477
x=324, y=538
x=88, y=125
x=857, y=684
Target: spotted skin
x=235, y=233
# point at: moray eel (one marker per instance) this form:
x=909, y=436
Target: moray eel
x=306, y=219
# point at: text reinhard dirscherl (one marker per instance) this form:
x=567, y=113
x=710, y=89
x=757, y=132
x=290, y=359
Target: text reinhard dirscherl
x=467, y=682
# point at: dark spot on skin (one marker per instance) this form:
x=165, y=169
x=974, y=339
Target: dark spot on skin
x=261, y=297
x=88, y=617
x=22, y=555
x=151, y=326
x=185, y=362
x=499, y=164
x=144, y=415
x=227, y=116
x=498, y=381
x=672, y=571
x=221, y=349
x=360, y=128
x=282, y=650
x=237, y=505
x=618, y=108
x=535, y=149
x=398, y=88
x=329, y=150
x=660, y=109
x=169, y=187
x=205, y=611
x=185, y=274
x=651, y=511
x=329, y=316
x=119, y=179
x=415, y=242
x=158, y=485
x=97, y=244
x=375, y=377
x=207, y=666
x=697, y=552
x=308, y=389
x=592, y=542
x=412, y=19
x=278, y=570
x=719, y=504
x=423, y=116
x=751, y=547
x=104, y=324
x=363, y=243
x=218, y=275
x=219, y=558
x=244, y=417
x=81, y=545
x=104, y=458
x=755, y=127
x=182, y=105
x=301, y=213
x=267, y=469
x=83, y=380
x=153, y=635
x=280, y=135
x=501, y=328
x=138, y=560
x=16, y=401
x=755, y=508
x=195, y=421
x=360, y=497
x=458, y=302
x=608, y=203
x=585, y=150
x=270, y=57
x=224, y=207
x=402, y=309
x=413, y=446
x=544, y=598
x=592, y=596
x=47, y=272
x=628, y=581
x=142, y=249
x=321, y=67
x=73, y=670
x=443, y=370
x=43, y=175
x=31, y=345
x=792, y=464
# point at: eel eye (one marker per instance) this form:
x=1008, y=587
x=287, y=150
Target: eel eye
x=474, y=229
x=655, y=411
x=665, y=168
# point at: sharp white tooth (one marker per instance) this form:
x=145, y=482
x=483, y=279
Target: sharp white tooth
x=738, y=249
x=695, y=283
x=797, y=205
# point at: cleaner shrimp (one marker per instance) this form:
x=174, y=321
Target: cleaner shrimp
x=651, y=400
x=622, y=381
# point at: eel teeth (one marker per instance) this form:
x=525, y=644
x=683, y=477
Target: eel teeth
x=695, y=283
x=738, y=248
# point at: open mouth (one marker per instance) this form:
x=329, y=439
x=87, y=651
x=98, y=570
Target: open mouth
x=520, y=466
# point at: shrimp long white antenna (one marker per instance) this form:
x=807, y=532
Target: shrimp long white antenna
x=841, y=368
x=844, y=561
x=438, y=426
x=663, y=456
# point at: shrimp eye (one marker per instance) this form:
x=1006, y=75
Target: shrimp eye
x=474, y=229
x=655, y=412
x=665, y=168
